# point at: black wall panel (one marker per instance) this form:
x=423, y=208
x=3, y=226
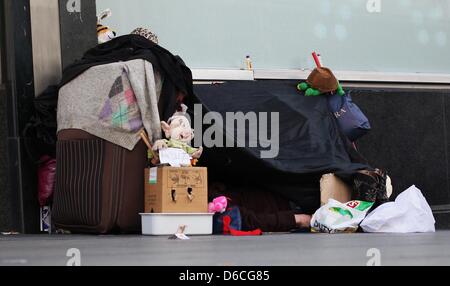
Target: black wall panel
x=409, y=138
x=5, y=200
x=19, y=186
x=19, y=208
x=78, y=29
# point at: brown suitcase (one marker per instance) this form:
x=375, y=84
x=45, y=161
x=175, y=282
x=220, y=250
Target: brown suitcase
x=99, y=186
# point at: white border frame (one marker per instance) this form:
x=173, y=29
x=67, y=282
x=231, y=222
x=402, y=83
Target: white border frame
x=344, y=76
x=222, y=74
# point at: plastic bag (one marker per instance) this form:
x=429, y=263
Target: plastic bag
x=410, y=213
x=336, y=217
x=47, y=176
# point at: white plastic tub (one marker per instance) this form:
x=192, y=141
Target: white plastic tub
x=168, y=224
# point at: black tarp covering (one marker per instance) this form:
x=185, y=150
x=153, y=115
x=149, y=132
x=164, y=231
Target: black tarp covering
x=310, y=141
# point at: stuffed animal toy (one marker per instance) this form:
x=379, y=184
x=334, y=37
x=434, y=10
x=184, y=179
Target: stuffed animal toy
x=146, y=33
x=104, y=33
x=321, y=81
x=179, y=134
x=218, y=205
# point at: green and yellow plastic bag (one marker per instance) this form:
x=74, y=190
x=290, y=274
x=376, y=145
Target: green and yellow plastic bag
x=336, y=217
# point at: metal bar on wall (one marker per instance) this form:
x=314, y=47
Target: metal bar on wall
x=206, y=74
x=344, y=76
x=46, y=43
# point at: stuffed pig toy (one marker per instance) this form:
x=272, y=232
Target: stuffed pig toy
x=179, y=134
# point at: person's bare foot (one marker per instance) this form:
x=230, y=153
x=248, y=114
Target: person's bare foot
x=303, y=221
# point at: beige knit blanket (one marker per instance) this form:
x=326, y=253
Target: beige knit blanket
x=113, y=102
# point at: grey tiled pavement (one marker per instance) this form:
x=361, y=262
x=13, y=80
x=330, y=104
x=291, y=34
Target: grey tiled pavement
x=268, y=250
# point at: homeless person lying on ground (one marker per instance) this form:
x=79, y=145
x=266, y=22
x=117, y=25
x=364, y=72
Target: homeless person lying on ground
x=251, y=208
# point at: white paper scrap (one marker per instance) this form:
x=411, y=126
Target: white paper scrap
x=174, y=157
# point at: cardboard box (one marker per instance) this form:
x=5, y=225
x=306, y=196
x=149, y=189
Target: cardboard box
x=176, y=190
x=331, y=187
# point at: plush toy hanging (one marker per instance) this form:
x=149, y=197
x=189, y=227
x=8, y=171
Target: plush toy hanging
x=321, y=81
x=104, y=33
x=351, y=120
